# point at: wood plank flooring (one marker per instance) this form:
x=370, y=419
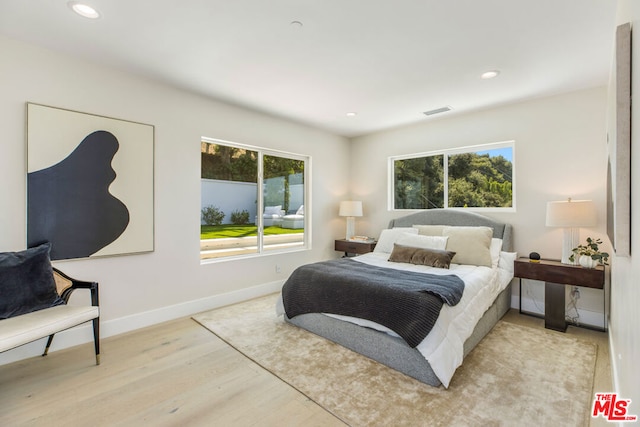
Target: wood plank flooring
x=175, y=374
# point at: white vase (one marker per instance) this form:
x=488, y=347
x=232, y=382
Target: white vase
x=587, y=262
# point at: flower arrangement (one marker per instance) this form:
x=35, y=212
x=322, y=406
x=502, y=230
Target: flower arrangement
x=591, y=250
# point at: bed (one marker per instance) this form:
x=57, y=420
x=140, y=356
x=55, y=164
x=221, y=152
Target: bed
x=458, y=329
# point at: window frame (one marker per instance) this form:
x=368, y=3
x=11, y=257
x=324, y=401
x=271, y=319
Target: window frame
x=446, y=153
x=261, y=152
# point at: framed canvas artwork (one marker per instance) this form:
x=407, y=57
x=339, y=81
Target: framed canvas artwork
x=89, y=183
x=619, y=146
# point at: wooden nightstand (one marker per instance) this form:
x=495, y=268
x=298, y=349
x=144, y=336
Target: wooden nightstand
x=556, y=275
x=354, y=247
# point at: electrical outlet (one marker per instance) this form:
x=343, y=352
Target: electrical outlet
x=278, y=269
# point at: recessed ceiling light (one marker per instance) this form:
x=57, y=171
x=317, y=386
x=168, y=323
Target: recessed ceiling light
x=490, y=74
x=84, y=10
x=352, y=114
x=296, y=24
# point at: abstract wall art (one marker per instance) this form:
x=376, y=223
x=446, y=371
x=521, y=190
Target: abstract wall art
x=89, y=183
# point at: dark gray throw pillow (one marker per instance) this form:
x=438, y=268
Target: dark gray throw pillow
x=26, y=282
x=420, y=256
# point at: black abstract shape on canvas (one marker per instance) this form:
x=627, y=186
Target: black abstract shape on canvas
x=69, y=203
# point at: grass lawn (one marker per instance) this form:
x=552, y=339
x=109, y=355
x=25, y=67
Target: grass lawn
x=230, y=230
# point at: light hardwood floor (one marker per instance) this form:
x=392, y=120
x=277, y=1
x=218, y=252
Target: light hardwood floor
x=175, y=374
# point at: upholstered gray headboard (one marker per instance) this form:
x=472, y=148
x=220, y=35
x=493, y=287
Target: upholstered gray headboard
x=457, y=217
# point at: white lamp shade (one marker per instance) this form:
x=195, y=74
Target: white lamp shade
x=350, y=208
x=571, y=213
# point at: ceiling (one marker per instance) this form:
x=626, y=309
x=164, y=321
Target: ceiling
x=386, y=60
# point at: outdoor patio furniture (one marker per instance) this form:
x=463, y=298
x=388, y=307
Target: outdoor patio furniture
x=294, y=221
x=272, y=215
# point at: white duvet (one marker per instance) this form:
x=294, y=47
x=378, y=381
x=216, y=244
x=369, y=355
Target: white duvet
x=443, y=348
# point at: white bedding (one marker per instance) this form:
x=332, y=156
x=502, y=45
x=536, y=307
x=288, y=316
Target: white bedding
x=443, y=348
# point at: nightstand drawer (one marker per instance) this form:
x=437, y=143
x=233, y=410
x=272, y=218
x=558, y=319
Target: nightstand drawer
x=556, y=275
x=354, y=247
x=556, y=272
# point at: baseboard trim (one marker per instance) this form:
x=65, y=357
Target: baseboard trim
x=84, y=334
x=613, y=357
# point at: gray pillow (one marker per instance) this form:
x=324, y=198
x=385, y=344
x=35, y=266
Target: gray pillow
x=420, y=256
x=26, y=282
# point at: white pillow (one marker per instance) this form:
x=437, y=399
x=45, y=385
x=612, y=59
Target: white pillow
x=471, y=244
x=423, y=242
x=389, y=236
x=506, y=260
x=494, y=249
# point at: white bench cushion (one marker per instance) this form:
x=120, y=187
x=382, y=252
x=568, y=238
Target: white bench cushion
x=25, y=328
x=293, y=221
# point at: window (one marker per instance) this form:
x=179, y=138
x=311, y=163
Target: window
x=252, y=200
x=473, y=177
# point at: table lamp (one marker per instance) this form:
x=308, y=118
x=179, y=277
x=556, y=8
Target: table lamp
x=350, y=209
x=570, y=215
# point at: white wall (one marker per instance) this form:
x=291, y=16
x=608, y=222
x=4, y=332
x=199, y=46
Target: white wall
x=169, y=282
x=625, y=285
x=560, y=152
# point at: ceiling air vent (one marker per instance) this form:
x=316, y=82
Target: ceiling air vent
x=437, y=111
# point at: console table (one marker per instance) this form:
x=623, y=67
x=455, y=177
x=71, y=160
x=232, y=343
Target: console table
x=555, y=276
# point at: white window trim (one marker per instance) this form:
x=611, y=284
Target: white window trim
x=260, y=205
x=447, y=152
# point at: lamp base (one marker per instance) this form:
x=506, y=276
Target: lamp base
x=570, y=240
x=351, y=227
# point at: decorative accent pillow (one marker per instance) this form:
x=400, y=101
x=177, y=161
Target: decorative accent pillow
x=425, y=242
x=471, y=244
x=420, y=256
x=389, y=236
x=26, y=282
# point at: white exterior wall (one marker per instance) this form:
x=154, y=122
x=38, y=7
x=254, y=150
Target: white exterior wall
x=229, y=196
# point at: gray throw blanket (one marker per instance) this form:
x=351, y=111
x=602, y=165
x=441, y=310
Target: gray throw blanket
x=406, y=302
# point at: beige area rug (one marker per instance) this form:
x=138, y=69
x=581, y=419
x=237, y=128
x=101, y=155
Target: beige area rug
x=517, y=376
